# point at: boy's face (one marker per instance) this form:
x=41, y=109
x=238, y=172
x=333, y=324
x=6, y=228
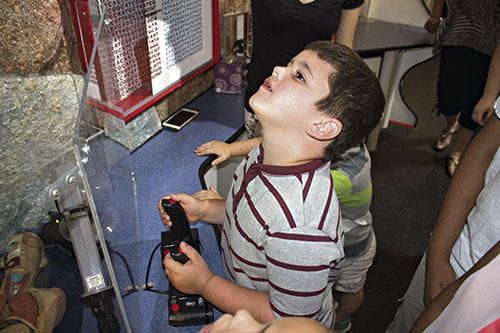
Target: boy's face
x=286, y=100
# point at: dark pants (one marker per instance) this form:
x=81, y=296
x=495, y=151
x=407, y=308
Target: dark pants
x=462, y=75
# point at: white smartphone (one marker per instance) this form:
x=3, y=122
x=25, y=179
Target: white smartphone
x=180, y=118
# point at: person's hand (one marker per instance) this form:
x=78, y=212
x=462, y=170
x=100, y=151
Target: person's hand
x=219, y=148
x=191, y=205
x=438, y=276
x=432, y=24
x=211, y=193
x=191, y=277
x=483, y=110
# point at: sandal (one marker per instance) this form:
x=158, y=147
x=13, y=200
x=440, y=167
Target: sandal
x=452, y=162
x=445, y=138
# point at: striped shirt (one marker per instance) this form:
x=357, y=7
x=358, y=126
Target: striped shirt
x=473, y=23
x=353, y=186
x=281, y=235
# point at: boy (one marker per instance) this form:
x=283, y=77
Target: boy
x=281, y=240
x=353, y=187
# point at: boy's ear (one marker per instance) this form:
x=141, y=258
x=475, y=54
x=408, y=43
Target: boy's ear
x=325, y=129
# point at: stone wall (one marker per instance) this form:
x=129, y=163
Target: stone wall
x=41, y=83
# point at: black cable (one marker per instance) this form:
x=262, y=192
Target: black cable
x=150, y=261
x=129, y=272
x=195, y=243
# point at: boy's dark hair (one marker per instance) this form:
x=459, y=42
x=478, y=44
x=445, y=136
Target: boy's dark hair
x=355, y=97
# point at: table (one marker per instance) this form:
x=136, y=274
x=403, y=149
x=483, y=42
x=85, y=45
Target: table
x=390, y=49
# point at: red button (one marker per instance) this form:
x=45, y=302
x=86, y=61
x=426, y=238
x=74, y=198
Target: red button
x=174, y=307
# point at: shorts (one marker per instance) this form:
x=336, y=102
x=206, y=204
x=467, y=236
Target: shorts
x=462, y=76
x=351, y=276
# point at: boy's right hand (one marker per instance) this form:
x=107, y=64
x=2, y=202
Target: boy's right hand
x=193, y=208
x=219, y=148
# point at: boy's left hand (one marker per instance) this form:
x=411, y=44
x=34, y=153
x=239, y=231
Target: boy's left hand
x=191, y=277
x=211, y=193
x=219, y=148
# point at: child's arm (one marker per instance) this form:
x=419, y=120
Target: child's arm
x=226, y=150
x=195, y=277
x=211, y=211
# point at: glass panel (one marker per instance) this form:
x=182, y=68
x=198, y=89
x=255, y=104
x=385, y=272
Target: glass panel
x=80, y=172
x=108, y=185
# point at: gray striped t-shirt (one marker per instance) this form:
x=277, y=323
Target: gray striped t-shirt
x=282, y=235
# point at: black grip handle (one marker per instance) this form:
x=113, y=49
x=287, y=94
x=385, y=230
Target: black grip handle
x=180, y=224
x=179, y=231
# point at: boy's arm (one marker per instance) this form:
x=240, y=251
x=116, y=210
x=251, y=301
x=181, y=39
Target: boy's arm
x=213, y=211
x=347, y=27
x=210, y=211
x=225, y=150
x=460, y=198
x=195, y=277
x=229, y=297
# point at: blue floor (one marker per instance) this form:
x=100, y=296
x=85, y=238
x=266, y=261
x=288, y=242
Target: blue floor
x=128, y=215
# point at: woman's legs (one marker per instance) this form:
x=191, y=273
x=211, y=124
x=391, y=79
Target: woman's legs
x=462, y=140
x=451, y=128
x=462, y=75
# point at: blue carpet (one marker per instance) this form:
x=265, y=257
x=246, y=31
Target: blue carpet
x=126, y=188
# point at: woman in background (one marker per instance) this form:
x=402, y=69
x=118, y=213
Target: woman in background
x=468, y=38
x=282, y=28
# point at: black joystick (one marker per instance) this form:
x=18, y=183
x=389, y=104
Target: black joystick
x=183, y=309
x=179, y=231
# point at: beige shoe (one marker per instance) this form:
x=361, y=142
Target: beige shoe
x=452, y=162
x=445, y=139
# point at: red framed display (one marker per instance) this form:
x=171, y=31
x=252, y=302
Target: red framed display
x=146, y=49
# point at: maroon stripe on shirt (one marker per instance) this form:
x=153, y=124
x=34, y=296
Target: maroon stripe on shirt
x=257, y=279
x=244, y=235
x=227, y=216
x=248, y=176
x=301, y=237
x=301, y=268
x=224, y=259
x=327, y=207
x=260, y=157
x=279, y=199
x=307, y=186
x=256, y=214
x=246, y=261
x=239, y=193
x=297, y=293
x=285, y=314
x=338, y=227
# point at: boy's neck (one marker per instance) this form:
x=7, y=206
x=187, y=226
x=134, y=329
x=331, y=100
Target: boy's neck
x=285, y=153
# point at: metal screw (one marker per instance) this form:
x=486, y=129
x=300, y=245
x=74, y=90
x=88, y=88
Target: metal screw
x=70, y=179
x=56, y=193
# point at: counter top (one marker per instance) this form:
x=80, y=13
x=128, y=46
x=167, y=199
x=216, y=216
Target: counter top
x=375, y=37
